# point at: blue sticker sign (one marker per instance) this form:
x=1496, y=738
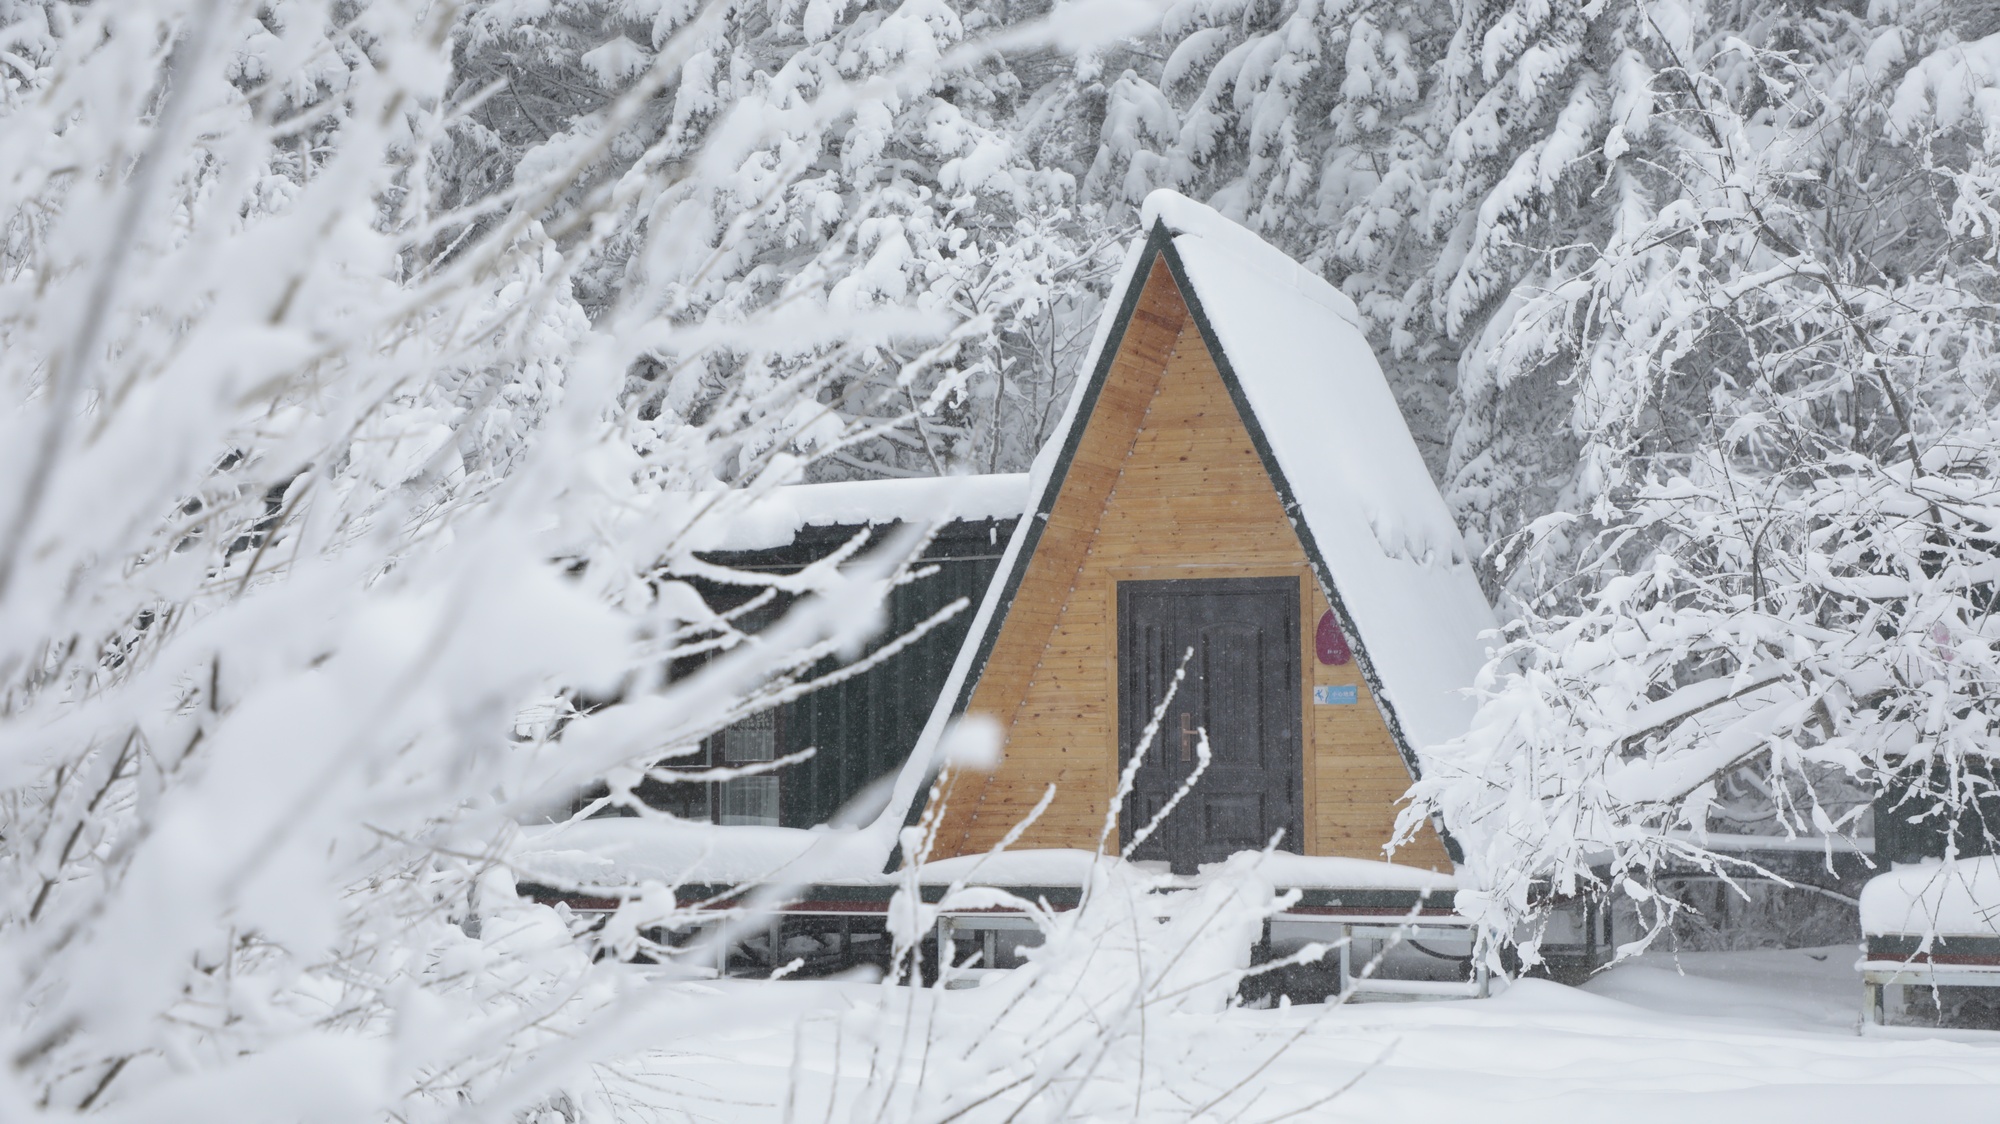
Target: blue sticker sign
x=1337, y=696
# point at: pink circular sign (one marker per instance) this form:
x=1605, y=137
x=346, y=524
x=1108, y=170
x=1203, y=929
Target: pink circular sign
x=1329, y=642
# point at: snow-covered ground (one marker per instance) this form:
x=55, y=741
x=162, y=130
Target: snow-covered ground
x=1766, y=1036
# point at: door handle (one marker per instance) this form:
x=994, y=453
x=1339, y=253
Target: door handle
x=1187, y=736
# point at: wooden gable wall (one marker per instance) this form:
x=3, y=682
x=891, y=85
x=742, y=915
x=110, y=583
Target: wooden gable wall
x=1165, y=482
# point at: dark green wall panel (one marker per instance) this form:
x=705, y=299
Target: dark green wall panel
x=865, y=727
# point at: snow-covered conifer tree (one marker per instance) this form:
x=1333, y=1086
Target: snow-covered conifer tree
x=1773, y=577
x=1687, y=299
x=936, y=191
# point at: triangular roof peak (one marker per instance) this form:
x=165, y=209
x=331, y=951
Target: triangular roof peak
x=1293, y=357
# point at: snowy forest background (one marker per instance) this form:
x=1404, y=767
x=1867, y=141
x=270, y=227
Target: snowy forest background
x=1689, y=307
x=330, y=328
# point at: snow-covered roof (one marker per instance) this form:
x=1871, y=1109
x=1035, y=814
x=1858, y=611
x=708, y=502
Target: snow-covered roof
x=1333, y=872
x=629, y=851
x=776, y=518
x=1366, y=508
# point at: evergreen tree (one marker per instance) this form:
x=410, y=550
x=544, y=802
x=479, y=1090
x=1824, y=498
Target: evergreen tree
x=913, y=171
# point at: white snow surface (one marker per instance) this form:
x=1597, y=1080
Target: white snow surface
x=1766, y=1036
x=1955, y=899
x=1396, y=557
x=776, y=519
x=631, y=851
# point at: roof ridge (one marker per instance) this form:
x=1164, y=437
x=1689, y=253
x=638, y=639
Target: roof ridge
x=1184, y=217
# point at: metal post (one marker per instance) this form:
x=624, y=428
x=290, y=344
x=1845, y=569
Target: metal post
x=1590, y=932
x=1346, y=957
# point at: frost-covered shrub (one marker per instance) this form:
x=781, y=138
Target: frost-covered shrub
x=335, y=539
x=1716, y=916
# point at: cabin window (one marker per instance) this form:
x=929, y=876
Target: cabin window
x=738, y=800
x=753, y=740
x=686, y=800
x=749, y=800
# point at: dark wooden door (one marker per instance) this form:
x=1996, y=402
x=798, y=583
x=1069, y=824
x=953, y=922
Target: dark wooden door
x=1242, y=687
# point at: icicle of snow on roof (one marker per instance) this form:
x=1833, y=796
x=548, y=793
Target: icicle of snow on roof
x=1397, y=560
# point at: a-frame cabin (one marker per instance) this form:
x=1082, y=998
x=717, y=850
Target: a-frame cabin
x=1233, y=478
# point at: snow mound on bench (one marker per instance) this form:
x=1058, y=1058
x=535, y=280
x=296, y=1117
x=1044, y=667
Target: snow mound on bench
x=1325, y=872
x=1053, y=866
x=1956, y=899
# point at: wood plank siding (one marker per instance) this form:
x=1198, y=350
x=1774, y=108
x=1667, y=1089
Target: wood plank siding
x=1165, y=483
